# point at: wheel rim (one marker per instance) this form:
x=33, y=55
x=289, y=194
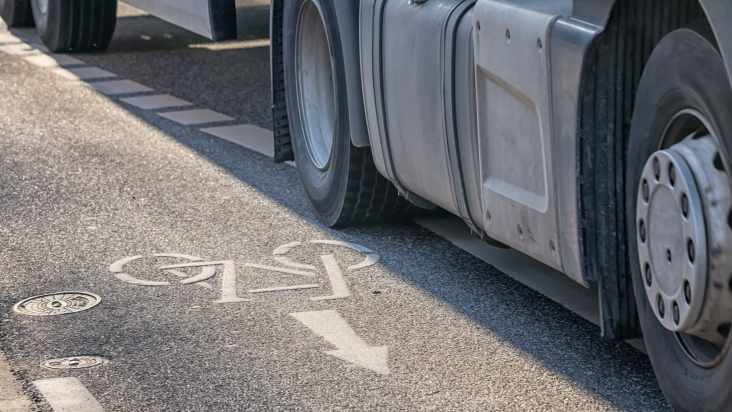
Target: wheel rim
x=42, y=6
x=684, y=237
x=315, y=87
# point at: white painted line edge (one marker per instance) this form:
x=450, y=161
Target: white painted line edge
x=196, y=116
x=113, y=87
x=159, y=101
x=68, y=395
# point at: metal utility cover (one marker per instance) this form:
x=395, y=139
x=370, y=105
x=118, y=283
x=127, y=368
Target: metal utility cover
x=75, y=362
x=57, y=303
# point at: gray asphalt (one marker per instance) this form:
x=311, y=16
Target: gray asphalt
x=87, y=180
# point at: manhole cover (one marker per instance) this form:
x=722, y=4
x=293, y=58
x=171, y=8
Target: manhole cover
x=57, y=303
x=77, y=362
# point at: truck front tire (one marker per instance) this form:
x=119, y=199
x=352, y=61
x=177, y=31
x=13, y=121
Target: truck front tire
x=75, y=25
x=684, y=98
x=16, y=13
x=340, y=180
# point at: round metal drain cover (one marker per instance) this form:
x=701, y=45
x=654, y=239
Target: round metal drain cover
x=76, y=362
x=57, y=303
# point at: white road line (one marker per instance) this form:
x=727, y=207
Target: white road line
x=248, y=135
x=160, y=101
x=196, y=116
x=351, y=348
x=51, y=60
x=83, y=73
x=339, y=286
x=282, y=270
x=68, y=395
x=9, y=38
x=23, y=49
x=284, y=288
x=113, y=87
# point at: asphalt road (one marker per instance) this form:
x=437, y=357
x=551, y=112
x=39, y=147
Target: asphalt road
x=88, y=180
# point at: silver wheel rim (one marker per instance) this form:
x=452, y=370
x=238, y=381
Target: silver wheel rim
x=684, y=187
x=315, y=87
x=42, y=6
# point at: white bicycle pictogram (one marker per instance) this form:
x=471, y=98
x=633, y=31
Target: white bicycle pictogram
x=229, y=276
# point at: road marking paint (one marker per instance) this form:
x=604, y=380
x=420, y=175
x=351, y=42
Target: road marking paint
x=285, y=249
x=196, y=116
x=116, y=269
x=371, y=257
x=83, y=73
x=6, y=37
x=113, y=87
x=284, y=288
x=248, y=135
x=338, y=285
x=67, y=395
x=51, y=60
x=23, y=49
x=351, y=348
x=159, y=101
x=283, y=270
x=228, y=281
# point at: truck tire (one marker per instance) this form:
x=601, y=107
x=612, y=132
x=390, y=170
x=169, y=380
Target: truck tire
x=16, y=13
x=684, y=96
x=341, y=181
x=75, y=25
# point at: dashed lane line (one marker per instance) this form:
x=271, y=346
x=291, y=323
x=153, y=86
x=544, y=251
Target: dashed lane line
x=248, y=135
x=83, y=73
x=23, y=49
x=196, y=116
x=45, y=61
x=114, y=87
x=9, y=38
x=67, y=395
x=159, y=101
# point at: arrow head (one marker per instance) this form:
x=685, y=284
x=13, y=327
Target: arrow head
x=375, y=359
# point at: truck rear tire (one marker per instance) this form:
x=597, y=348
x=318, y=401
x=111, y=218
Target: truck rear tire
x=75, y=25
x=684, y=96
x=341, y=181
x=16, y=13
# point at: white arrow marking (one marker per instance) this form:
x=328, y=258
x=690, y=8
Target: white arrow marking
x=333, y=328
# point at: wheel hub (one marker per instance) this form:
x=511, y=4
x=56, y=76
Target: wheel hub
x=684, y=238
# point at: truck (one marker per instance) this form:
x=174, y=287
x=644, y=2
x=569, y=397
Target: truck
x=592, y=135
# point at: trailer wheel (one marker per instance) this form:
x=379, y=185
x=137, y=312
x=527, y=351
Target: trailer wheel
x=340, y=180
x=75, y=25
x=679, y=221
x=16, y=13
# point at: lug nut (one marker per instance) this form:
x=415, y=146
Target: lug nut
x=687, y=292
x=649, y=275
x=672, y=174
x=656, y=168
x=685, y=205
x=691, y=251
x=646, y=191
x=676, y=313
x=660, y=305
x=642, y=230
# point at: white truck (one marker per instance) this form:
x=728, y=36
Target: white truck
x=592, y=135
